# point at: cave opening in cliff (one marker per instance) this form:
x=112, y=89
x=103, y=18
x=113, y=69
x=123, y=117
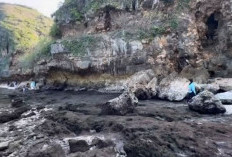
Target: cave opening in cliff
x=107, y=24
x=212, y=24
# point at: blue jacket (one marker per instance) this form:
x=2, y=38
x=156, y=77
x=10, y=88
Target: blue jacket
x=192, y=88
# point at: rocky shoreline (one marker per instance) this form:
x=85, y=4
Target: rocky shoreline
x=66, y=123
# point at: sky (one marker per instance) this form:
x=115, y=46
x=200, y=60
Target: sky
x=46, y=7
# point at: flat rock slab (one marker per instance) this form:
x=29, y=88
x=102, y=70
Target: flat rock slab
x=226, y=98
x=4, y=145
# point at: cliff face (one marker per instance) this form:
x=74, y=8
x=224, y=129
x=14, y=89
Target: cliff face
x=114, y=39
x=21, y=28
x=121, y=37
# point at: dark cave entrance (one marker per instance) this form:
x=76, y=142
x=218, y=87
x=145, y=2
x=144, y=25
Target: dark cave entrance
x=212, y=25
x=107, y=11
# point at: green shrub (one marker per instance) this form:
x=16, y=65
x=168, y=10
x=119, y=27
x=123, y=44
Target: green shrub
x=4, y=64
x=80, y=46
x=41, y=50
x=182, y=4
x=55, y=31
x=173, y=23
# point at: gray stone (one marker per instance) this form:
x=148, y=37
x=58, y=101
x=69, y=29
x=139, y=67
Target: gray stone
x=143, y=84
x=121, y=105
x=214, y=88
x=173, y=88
x=206, y=103
x=57, y=48
x=225, y=84
x=226, y=97
x=4, y=145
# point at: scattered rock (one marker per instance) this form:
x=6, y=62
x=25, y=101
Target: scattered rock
x=104, y=152
x=98, y=143
x=30, y=114
x=4, y=145
x=206, y=103
x=143, y=84
x=214, y=88
x=226, y=98
x=121, y=105
x=78, y=146
x=45, y=149
x=15, y=114
x=18, y=102
x=173, y=88
x=225, y=84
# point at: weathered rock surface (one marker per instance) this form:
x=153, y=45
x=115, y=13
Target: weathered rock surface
x=226, y=98
x=7, y=116
x=4, y=145
x=78, y=146
x=17, y=102
x=46, y=150
x=214, y=88
x=121, y=105
x=225, y=84
x=143, y=84
x=173, y=88
x=140, y=134
x=206, y=103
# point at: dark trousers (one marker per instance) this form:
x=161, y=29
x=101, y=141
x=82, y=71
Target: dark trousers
x=190, y=96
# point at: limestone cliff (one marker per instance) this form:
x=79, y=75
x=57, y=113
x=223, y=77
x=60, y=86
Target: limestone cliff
x=103, y=40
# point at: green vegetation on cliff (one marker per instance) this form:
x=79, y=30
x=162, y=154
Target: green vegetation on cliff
x=21, y=29
x=75, y=10
x=40, y=51
x=81, y=45
x=25, y=26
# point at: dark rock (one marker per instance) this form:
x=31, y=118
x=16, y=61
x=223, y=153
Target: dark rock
x=78, y=146
x=29, y=115
x=45, y=149
x=100, y=143
x=72, y=107
x=17, y=102
x=70, y=120
x=51, y=128
x=121, y=105
x=206, y=103
x=15, y=114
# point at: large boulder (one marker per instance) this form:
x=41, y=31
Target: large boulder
x=226, y=97
x=143, y=84
x=173, y=88
x=121, y=105
x=225, y=84
x=206, y=103
x=214, y=88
